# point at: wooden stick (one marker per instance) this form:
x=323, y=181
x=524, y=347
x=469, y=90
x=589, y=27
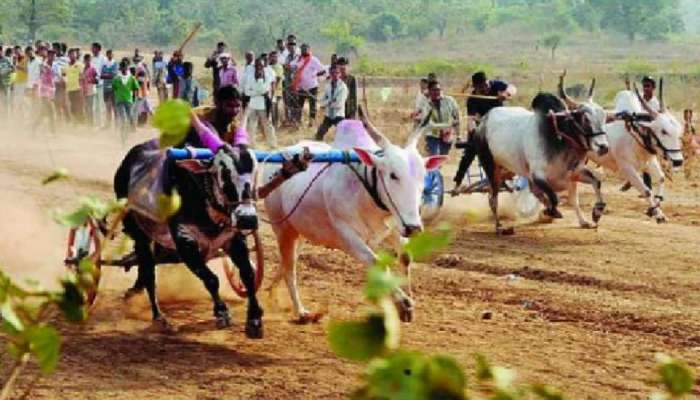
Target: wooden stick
x=473, y=96
x=189, y=37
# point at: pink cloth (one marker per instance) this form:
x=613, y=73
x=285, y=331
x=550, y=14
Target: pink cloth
x=47, y=85
x=240, y=136
x=228, y=76
x=350, y=133
x=207, y=136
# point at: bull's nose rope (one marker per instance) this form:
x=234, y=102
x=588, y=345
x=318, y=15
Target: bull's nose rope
x=301, y=198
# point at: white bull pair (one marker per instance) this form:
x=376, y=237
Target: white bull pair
x=351, y=207
x=639, y=134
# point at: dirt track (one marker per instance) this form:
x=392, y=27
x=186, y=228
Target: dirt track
x=582, y=309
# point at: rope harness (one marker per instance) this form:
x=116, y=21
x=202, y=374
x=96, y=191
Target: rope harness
x=574, y=141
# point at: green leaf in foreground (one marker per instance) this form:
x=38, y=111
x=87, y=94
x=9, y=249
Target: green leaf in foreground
x=73, y=219
x=380, y=283
x=445, y=378
x=45, y=344
x=400, y=376
x=58, y=174
x=358, y=340
x=172, y=119
x=546, y=392
x=484, y=371
x=167, y=206
x=676, y=376
x=426, y=243
x=9, y=315
x=72, y=302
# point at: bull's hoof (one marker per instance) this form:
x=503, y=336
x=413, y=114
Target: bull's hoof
x=223, y=321
x=505, y=231
x=598, y=211
x=309, y=318
x=587, y=225
x=404, y=308
x=661, y=219
x=254, y=328
x=162, y=325
x=554, y=213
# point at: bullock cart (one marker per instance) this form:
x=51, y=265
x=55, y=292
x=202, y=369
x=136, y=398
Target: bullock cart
x=89, y=240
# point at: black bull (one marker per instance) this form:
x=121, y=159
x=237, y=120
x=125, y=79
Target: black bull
x=201, y=218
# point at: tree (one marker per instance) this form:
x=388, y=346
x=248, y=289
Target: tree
x=552, y=42
x=340, y=33
x=384, y=26
x=652, y=18
x=33, y=14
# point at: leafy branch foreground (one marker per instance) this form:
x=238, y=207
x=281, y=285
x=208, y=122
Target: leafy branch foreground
x=396, y=373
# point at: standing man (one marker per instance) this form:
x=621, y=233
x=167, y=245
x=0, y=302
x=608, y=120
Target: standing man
x=124, y=86
x=246, y=75
x=98, y=61
x=307, y=69
x=107, y=74
x=6, y=71
x=496, y=92
x=49, y=74
x=258, y=88
x=33, y=70
x=334, y=100
x=75, y=95
x=20, y=82
x=213, y=63
x=159, y=73
x=274, y=65
x=440, y=110
x=351, y=83
x=228, y=75
x=175, y=72
x=288, y=57
x=280, y=47
x=88, y=86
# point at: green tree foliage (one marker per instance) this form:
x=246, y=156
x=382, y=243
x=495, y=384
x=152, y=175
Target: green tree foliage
x=653, y=19
x=252, y=24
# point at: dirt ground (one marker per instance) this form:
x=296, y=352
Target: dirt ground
x=585, y=310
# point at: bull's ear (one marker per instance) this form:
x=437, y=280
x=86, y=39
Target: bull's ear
x=434, y=162
x=366, y=157
x=194, y=166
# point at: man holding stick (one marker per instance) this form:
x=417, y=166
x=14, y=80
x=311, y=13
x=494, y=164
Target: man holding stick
x=486, y=95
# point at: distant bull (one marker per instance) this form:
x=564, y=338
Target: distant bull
x=351, y=207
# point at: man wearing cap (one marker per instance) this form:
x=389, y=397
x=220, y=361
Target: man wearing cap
x=213, y=62
x=227, y=74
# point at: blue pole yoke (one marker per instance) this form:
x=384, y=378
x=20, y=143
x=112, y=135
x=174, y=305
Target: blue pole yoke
x=331, y=156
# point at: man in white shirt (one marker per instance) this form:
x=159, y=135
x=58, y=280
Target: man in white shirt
x=307, y=68
x=333, y=100
x=98, y=61
x=246, y=74
x=258, y=87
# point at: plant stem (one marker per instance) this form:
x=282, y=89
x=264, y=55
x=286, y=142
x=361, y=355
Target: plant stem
x=16, y=370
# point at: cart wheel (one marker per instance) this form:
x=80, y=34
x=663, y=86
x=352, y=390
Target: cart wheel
x=258, y=266
x=83, y=242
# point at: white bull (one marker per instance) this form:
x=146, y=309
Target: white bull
x=351, y=207
x=635, y=140
x=547, y=146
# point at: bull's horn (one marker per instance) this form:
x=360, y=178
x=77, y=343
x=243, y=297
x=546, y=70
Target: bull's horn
x=562, y=93
x=645, y=105
x=662, y=104
x=591, y=91
x=415, y=136
x=378, y=137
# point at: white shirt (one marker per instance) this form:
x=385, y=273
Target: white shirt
x=33, y=71
x=247, y=74
x=257, y=89
x=98, y=62
x=654, y=104
x=285, y=54
x=334, y=99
